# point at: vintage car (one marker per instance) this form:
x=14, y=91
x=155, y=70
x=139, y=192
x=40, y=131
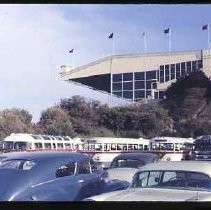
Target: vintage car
x=124, y=166
x=166, y=181
x=50, y=176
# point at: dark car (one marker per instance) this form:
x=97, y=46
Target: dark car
x=50, y=176
x=124, y=166
x=133, y=160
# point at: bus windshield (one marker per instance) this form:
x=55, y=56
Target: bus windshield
x=203, y=146
x=15, y=145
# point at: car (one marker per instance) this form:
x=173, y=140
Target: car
x=166, y=181
x=50, y=176
x=124, y=166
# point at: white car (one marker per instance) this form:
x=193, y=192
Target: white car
x=124, y=166
x=166, y=181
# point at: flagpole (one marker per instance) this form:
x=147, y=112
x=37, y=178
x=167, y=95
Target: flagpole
x=145, y=43
x=208, y=35
x=169, y=40
x=111, y=100
x=72, y=60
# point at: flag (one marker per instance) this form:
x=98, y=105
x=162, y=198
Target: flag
x=205, y=27
x=111, y=36
x=71, y=51
x=166, y=31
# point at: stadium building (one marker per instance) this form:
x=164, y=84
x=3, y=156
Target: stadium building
x=138, y=76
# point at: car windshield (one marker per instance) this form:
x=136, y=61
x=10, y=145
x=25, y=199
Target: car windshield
x=17, y=164
x=172, y=179
x=131, y=163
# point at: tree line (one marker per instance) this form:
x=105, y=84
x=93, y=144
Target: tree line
x=185, y=112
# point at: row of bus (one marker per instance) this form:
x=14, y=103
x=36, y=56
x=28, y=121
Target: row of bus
x=104, y=149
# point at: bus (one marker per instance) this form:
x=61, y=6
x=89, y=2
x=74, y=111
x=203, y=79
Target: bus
x=104, y=149
x=34, y=142
x=202, y=148
x=172, y=148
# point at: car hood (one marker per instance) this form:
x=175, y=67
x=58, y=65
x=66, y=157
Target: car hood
x=152, y=194
x=11, y=182
x=125, y=174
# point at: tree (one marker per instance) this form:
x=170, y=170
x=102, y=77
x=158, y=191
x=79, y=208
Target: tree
x=56, y=121
x=15, y=121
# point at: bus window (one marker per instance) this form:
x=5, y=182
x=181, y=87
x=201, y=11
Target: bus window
x=54, y=146
x=20, y=145
x=46, y=137
x=119, y=146
x=38, y=145
x=8, y=145
x=47, y=145
x=130, y=147
x=145, y=147
x=98, y=147
x=107, y=147
x=113, y=146
x=135, y=146
x=124, y=146
x=140, y=147
x=67, y=146
x=59, y=145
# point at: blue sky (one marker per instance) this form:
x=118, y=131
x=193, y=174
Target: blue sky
x=35, y=40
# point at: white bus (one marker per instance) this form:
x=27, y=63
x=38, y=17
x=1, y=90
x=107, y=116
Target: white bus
x=33, y=142
x=104, y=149
x=171, y=148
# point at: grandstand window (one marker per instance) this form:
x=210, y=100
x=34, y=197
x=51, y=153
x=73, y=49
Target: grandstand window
x=148, y=94
x=127, y=85
x=161, y=67
x=139, y=75
x=193, y=65
x=199, y=64
x=150, y=75
x=188, y=67
x=183, y=69
x=139, y=94
x=117, y=77
x=118, y=93
x=178, y=70
x=158, y=76
x=140, y=85
x=166, y=73
x=172, y=71
x=127, y=76
x=161, y=76
x=128, y=94
x=149, y=84
x=117, y=86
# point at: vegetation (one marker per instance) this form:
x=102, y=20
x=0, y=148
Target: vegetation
x=186, y=112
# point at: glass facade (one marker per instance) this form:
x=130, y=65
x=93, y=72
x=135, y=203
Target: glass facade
x=139, y=85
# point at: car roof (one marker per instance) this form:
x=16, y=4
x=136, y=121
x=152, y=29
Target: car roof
x=137, y=155
x=194, y=166
x=45, y=155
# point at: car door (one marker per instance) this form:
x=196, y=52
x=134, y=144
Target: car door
x=90, y=182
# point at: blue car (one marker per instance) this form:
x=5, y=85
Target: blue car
x=51, y=176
